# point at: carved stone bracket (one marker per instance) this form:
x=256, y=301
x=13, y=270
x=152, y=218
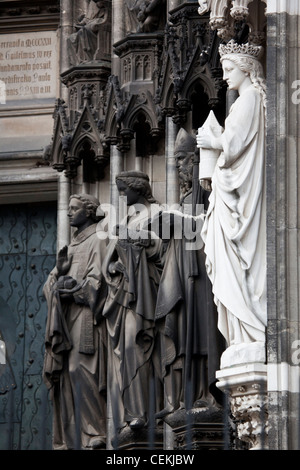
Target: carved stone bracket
x=140, y=56
x=240, y=10
x=226, y=14
x=246, y=388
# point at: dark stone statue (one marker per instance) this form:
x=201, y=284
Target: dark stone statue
x=75, y=344
x=132, y=271
x=145, y=16
x=185, y=313
x=83, y=44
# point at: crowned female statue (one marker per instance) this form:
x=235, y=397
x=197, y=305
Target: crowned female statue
x=234, y=231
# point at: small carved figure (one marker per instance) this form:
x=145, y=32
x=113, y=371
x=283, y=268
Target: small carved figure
x=82, y=45
x=132, y=271
x=235, y=227
x=75, y=355
x=144, y=15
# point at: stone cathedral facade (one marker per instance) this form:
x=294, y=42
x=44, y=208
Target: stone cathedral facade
x=92, y=89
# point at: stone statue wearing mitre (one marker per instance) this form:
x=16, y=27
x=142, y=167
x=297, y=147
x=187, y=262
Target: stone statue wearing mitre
x=186, y=316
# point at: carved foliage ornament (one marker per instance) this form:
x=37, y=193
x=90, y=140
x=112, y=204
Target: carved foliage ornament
x=225, y=14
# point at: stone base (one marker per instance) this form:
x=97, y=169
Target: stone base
x=140, y=439
x=243, y=353
x=198, y=429
x=246, y=387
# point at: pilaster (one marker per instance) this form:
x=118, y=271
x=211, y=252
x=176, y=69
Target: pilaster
x=283, y=72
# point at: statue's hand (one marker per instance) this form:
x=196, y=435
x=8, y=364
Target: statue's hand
x=206, y=184
x=67, y=286
x=63, y=261
x=203, y=140
x=118, y=267
x=66, y=296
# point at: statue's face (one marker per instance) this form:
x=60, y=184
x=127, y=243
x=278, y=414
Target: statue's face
x=179, y=157
x=125, y=191
x=233, y=75
x=77, y=213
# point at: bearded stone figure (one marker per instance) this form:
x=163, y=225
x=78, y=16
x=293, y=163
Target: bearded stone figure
x=234, y=231
x=186, y=316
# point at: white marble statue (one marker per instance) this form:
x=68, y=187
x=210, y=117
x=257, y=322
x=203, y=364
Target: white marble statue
x=234, y=231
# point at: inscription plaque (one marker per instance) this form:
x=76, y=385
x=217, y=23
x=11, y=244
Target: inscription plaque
x=28, y=66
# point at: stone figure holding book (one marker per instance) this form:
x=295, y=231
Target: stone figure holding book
x=75, y=343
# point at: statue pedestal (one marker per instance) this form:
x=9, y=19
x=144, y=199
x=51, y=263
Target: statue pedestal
x=197, y=429
x=142, y=439
x=246, y=388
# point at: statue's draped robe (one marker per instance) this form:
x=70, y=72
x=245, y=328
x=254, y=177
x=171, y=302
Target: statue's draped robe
x=187, y=320
x=234, y=231
x=82, y=45
x=75, y=346
x=129, y=312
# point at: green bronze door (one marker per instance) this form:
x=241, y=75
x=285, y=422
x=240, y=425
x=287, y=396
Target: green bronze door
x=27, y=255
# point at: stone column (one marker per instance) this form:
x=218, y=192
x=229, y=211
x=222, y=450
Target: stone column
x=172, y=186
x=118, y=30
x=63, y=226
x=66, y=19
x=116, y=166
x=283, y=240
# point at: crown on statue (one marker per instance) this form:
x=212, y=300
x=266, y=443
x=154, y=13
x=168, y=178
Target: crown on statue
x=249, y=50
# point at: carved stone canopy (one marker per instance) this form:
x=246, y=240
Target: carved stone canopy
x=124, y=115
x=81, y=145
x=226, y=14
x=190, y=77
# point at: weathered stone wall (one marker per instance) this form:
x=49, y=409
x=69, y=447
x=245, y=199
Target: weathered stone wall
x=283, y=74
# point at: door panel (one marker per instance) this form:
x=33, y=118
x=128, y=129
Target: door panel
x=27, y=255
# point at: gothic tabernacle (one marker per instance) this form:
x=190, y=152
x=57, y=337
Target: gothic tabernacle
x=149, y=268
